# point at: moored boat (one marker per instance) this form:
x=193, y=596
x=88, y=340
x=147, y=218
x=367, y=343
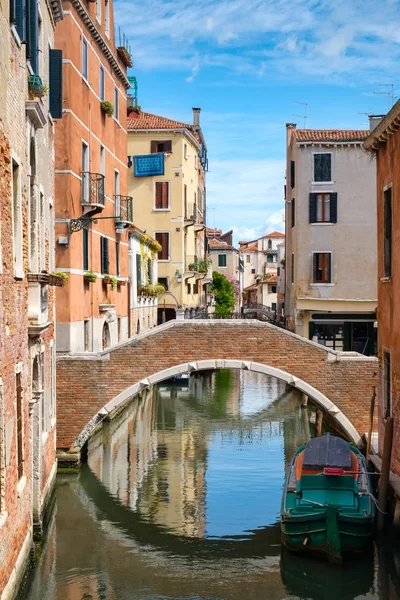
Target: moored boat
x=327, y=504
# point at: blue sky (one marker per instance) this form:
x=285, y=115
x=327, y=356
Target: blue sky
x=246, y=63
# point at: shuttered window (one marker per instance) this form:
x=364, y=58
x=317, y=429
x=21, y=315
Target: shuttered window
x=138, y=272
x=322, y=267
x=84, y=58
x=117, y=259
x=18, y=17
x=387, y=233
x=162, y=195
x=185, y=206
x=116, y=104
x=85, y=234
x=293, y=212
x=292, y=174
x=222, y=260
x=101, y=83
x=323, y=208
x=322, y=167
x=104, y=255
x=163, y=239
x=160, y=147
x=55, y=83
x=32, y=34
x=150, y=270
x=292, y=269
x=20, y=424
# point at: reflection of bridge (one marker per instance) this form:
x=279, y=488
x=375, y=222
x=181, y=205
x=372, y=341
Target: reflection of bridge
x=89, y=386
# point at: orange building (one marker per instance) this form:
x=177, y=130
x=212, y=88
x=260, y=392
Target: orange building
x=92, y=206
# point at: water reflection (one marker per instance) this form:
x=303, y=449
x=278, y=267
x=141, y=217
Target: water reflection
x=180, y=500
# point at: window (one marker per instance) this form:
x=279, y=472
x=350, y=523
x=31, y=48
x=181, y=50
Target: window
x=185, y=151
x=117, y=259
x=292, y=174
x=116, y=104
x=42, y=233
x=102, y=82
x=273, y=289
x=162, y=195
x=98, y=10
x=32, y=33
x=293, y=215
x=104, y=255
x=51, y=237
x=387, y=384
x=273, y=305
x=55, y=83
x=247, y=258
x=163, y=239
x=323, y=208
x=44, y=397
x=84, y=58
x=185, y=206
x=164, y=281
x=253, y=271
x=102, y=160
x=85, y=172
x=164, y=146
x=86, y=332
x=107, y=17
x=17, y=221
x=278, y=271
x=138, y=273
x=17, y=17
x=150, y=270
x=270, y=258
x=387, y=233
x=188, y=288
x=292, y=269
x=269, y=244
x=322, y=167
x=222, y=260
x=52, y=382
x=195, y=288
x=20, y=434
x=322, y=267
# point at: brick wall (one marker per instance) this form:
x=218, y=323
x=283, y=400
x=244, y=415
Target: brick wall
x=84, y=386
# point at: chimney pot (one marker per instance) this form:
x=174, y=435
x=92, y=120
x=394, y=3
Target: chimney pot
x=374, y=121
x=196, y=116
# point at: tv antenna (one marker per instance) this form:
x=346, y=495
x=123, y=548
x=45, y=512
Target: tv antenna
x=305, y=104
x=389, y=93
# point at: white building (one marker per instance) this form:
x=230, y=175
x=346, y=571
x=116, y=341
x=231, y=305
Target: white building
x=281, y=273
x=331, y=264
x=260, y=257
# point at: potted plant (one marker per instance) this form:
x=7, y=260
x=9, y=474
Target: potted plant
x=192, y=266
x=159, y=289
x=90, y=277
x=109, y=280
x=107, y=108
x=125, y=55
x=36, y=87
x=58, y=278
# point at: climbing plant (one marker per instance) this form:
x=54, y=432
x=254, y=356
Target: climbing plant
x=224, y=295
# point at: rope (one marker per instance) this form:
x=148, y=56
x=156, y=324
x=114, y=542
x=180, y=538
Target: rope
x=375, y=501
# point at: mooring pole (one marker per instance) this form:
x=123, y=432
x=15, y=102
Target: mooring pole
x=318, y=422
x=385, y=472
x=371, y=422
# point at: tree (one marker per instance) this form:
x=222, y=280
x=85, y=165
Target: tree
x=224, y=295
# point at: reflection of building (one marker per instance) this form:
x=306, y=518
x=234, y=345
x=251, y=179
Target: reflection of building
x=30, y=101
x=331, y=267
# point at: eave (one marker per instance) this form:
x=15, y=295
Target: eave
x=184, y=132
x=386, y=128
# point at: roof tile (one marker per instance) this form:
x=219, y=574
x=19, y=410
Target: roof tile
x=330, y=135
x=145, y=120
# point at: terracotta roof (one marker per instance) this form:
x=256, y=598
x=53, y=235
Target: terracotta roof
x=272, y=279
x=274, y=234
x=146, y=120
x=252, y=248
x=251, y=287
x=216, y=244
x=330, y=135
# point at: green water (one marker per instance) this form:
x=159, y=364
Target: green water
x=180, y=500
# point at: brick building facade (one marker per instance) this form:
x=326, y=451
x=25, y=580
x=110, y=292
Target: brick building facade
x=30, y=87
x=384, y=140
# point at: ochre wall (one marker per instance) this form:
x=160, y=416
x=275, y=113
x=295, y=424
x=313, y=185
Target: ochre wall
x=84, y=386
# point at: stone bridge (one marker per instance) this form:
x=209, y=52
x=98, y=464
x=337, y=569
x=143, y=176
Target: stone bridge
x=91, y=386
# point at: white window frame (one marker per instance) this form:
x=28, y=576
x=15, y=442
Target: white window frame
x=313, y=284
x=98, y=10
x=168, y=281
x=169, y=197
x=85, y=67
x=313, y=174
x=102, y=88
x=107, y=18
x=226, y=262
x=116, y=104
x=18, y=256
x=169, y=245
x=102, y=160
x=185, y=151
x=85, y=178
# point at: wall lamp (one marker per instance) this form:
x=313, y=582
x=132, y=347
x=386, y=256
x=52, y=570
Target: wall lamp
x=82, y=222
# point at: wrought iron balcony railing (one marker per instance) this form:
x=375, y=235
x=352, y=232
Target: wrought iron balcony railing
x=124, y=208
x=92, y=189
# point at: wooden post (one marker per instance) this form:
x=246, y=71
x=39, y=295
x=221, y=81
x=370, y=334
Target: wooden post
x=371, y=422
x=318, y=423
x=304, y=400
x=385, y=472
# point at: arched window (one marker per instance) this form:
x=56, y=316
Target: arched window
x=269, y=244
x=106, y=336
x=138, y=327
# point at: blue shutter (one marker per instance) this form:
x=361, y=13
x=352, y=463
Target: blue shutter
x=313, y=208
x=85, y=234
x=333, y=207
x=18, y=17
x=55, y=83
x=104, y=254
x=33, y=33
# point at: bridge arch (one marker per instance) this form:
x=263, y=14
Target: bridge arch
x=315, y=395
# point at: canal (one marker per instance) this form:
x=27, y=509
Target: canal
x=180, y=499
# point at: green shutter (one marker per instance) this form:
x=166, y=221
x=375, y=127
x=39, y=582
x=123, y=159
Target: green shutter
x=333, y=207
x=313, y=207
x=85, y=234
x=138, y=272
x=150, y=270
x=18, y=17
x=292, y=174
x=55, y=83
x=104, y=254
x=293, y=211
x=33, y=35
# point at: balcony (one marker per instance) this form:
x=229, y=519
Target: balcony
x=196, y=267
x=92, y=191
x=190, y=217
x=124, y=209
x=123, y=46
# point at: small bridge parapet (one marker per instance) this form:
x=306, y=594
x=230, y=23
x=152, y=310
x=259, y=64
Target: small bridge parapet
x=90, y=386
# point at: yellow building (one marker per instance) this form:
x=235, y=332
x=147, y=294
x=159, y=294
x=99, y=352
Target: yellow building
x=167, y=163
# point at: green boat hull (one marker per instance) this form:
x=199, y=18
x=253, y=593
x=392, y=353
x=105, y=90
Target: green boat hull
x=327, y=515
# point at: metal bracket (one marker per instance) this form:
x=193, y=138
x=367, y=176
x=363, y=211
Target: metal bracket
x=82, y=222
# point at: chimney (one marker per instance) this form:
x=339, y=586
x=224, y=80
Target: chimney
x=196, y=116
x=374, y=121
